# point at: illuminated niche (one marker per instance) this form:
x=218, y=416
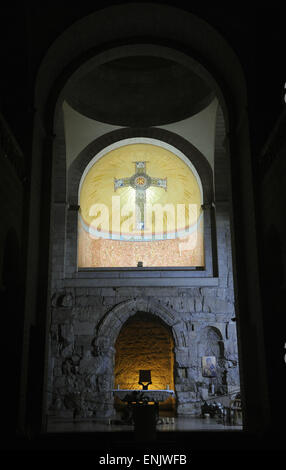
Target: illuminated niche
x=144, y=342
x=140, y=205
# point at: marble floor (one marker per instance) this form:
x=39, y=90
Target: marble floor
x=180, y=424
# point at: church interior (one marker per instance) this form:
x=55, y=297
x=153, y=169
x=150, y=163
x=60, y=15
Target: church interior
x=142, y=242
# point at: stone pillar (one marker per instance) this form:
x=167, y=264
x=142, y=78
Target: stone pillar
x=58, y=243
x=105, y=408
x=71, y=240
x=209, y=238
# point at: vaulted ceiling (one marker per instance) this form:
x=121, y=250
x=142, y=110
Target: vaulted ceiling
x=139, y=91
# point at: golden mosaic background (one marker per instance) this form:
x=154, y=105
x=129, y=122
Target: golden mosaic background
x=113, y=254
x=98, y=188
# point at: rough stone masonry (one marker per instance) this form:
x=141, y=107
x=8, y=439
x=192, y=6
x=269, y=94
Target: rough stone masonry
x=86, y=322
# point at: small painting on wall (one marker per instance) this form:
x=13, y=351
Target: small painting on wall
x=209, y=366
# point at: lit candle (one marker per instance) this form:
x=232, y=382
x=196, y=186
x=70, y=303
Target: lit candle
x=167, y=386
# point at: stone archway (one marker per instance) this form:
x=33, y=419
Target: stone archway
x=211, y=344
x=107, y=333
x=107, y=329
x=145, y=342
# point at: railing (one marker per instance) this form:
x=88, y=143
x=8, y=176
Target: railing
x=227, y=397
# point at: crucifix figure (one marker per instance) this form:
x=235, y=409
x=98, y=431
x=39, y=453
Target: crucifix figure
x=140, y=181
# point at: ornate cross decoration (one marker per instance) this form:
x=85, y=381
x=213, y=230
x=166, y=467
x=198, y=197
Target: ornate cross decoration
x=140, y=181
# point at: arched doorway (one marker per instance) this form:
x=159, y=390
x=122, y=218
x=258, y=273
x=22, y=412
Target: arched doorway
x=145, y=342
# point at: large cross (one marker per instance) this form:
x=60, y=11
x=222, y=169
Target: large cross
x=140, y=181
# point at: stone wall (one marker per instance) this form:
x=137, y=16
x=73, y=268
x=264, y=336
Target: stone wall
x=85, y=324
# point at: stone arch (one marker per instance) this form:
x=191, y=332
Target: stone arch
x=211, y=342
x=110, y=325
x=144, y=342
x=215, y=329
x=107, y=329
x=211, y=334
x=83, y=40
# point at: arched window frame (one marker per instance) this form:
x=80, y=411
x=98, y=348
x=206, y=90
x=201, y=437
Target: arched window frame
x=186, y=276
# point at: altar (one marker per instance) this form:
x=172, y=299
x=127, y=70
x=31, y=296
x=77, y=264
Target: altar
x=143, y=396
x=143, y=409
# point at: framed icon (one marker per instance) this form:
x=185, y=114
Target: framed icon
x=209, y=366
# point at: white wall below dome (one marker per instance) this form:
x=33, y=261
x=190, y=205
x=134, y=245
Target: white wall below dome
x=198, y=130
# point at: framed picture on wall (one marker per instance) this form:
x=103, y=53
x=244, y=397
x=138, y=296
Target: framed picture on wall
x=209, y=366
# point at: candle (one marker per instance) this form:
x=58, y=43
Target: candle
x=118, y=387
x=167, y=388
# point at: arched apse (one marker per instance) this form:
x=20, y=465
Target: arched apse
x=165, y=141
